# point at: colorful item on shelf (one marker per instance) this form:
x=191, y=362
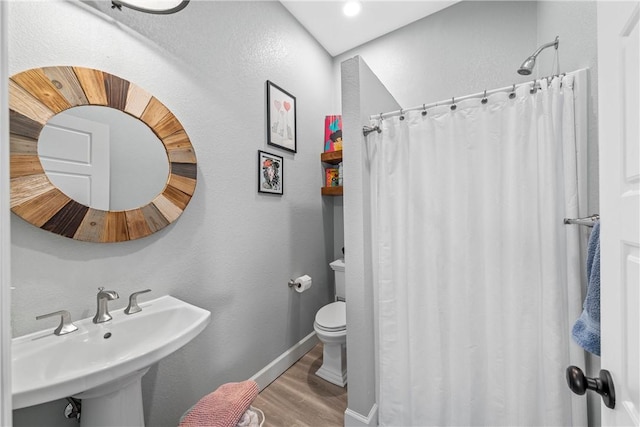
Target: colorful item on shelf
x=331, y=177
x=333, y=133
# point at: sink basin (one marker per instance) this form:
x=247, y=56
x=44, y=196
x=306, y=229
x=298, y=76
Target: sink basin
x=101, y=359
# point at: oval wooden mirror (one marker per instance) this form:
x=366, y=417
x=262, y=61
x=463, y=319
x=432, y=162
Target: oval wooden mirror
x=35, y=96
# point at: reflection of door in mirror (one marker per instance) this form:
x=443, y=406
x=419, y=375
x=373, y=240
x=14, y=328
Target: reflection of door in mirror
x=74, y=153
x=136, y=162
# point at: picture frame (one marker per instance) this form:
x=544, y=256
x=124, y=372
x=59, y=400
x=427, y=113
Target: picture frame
x=281, y=118
x=270, y=173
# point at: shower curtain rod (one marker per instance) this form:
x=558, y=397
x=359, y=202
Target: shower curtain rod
x=366, y=130
x=453, y=100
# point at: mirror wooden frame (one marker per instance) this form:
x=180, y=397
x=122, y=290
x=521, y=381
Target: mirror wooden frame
x=38, y=94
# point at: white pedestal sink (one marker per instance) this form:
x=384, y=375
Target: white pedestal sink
x=103, y=364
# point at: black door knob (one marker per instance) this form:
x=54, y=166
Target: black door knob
x=579, y=384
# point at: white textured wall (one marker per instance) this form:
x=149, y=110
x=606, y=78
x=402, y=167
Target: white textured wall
x=233, y=250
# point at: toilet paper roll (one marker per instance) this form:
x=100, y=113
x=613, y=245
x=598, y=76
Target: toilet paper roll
x=302, y=283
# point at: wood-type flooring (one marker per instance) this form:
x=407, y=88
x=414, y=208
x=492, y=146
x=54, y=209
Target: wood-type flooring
x=299, y=398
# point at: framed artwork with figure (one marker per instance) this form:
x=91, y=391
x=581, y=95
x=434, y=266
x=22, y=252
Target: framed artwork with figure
x=270, y=173
x=281, y=118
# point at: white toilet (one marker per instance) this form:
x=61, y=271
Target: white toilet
x=331, y=328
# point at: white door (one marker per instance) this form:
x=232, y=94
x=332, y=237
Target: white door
x=75, y=154
x=619, y=125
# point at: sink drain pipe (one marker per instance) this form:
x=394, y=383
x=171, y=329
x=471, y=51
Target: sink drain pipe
x=73, y=408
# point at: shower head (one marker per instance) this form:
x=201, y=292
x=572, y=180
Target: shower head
x=527, y=66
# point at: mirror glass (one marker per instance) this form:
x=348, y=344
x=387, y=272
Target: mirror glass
x=103, y=158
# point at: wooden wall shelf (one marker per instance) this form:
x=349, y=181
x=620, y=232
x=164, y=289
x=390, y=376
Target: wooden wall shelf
x=332, y=191
x=332, y=157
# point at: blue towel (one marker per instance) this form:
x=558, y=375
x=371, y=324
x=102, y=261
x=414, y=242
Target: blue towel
x=586, y=330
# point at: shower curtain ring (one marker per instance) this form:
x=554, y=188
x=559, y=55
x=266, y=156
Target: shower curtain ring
x=401, y=114
x=424, y=110
x=484, y=97
x=533, y=89
x=453, y=103
x=513, y=92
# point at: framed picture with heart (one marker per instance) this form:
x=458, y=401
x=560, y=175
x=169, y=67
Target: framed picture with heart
x=281, y=118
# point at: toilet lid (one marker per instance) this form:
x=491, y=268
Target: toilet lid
x=332, y=316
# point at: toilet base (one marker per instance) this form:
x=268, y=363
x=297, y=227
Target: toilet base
x=334, y=364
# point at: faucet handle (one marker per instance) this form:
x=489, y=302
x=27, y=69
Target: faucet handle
x=133, y=306
x=66, y=326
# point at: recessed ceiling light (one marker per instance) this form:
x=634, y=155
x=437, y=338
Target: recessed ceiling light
x=352, y=8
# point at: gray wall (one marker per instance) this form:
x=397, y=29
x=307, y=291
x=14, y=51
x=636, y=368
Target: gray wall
x=464, y=49
x=233, y=250
x=461, y=50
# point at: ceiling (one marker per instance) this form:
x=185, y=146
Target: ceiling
x=338, y=33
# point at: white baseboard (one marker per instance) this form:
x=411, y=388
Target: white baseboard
x=283, y=362
x=354, y=419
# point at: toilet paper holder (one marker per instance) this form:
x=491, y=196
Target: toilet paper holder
x=300, y=284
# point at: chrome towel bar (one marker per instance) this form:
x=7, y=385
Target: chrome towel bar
x=588, y=221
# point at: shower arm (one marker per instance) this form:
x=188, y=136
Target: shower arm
x=554, y=43
x=527, y=66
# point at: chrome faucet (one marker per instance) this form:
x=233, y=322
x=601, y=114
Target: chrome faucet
x=102, y=314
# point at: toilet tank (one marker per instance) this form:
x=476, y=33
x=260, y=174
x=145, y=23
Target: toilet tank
x=338, y=271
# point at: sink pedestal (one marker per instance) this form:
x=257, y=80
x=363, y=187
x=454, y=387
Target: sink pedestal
x=118, y=403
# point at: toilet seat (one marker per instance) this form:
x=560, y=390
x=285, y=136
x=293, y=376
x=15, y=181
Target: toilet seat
x=332, y=317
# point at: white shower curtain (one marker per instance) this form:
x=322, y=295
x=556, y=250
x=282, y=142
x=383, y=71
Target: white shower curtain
x=476, y=279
